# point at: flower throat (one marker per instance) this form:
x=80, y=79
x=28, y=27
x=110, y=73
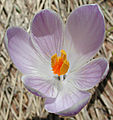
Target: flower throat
x=59, y=64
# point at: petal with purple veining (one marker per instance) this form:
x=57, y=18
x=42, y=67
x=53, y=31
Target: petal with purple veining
x=46, y=31
x=68, y=102
x=85, y=32
x=44, y=87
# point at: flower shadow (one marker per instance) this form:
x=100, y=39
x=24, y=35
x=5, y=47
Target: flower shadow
x=49, y=117
x=100, y=89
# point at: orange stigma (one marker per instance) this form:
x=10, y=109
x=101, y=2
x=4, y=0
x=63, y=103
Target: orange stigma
x=60, y=65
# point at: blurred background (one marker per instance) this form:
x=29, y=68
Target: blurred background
x=16, y=103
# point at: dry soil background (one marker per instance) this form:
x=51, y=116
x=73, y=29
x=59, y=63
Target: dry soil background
x=16, y=103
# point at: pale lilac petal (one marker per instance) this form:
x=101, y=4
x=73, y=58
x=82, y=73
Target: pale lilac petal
x=84, y=33
x=77, y=107
x=68, y=102
x=40, y=86
x=46, y=31
x=22, y=53
x=90, y=74
x=37, y=93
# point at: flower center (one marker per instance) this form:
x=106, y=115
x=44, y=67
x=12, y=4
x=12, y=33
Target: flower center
x=59, y=64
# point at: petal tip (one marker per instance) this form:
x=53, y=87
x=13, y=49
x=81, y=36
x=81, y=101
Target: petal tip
x=107, y=68
x=71, y=111
x=74, y=112
x=10, y=32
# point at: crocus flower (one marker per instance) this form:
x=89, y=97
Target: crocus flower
x=56, y=60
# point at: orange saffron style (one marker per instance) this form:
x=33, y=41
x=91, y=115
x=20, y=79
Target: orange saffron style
x=59, y=64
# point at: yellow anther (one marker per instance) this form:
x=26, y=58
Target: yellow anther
x=53, y=59
x=63, y=54
x=64, y=68
x=60, y=65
